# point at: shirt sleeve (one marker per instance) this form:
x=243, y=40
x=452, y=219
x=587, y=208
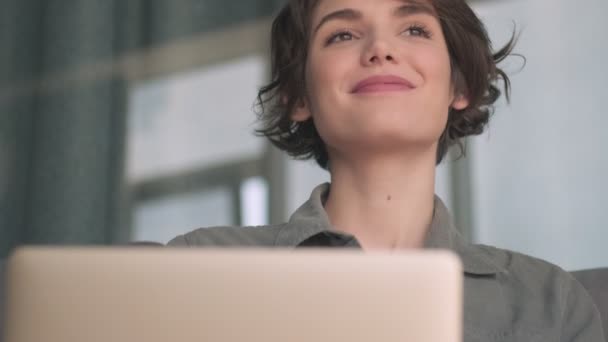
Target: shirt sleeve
x=581, y=321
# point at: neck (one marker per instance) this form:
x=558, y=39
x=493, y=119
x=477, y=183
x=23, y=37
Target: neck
x=386, y=203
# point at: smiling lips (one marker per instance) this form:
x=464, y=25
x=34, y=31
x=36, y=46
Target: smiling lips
x=384, y=83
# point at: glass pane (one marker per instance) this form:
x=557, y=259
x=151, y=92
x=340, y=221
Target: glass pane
x=161, y=220
x=194, y=120
x=254, y=202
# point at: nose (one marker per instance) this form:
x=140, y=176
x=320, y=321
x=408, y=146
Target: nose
x=378, y=52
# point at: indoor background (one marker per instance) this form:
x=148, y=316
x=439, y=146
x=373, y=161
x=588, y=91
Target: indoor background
x=132, y=120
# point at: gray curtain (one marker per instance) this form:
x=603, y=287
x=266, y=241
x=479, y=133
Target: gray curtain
x=63, y=107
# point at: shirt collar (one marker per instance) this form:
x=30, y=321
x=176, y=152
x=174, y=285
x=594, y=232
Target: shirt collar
x=311, y=219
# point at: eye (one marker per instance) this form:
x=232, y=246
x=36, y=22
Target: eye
x=417, y=30
x=340, y=36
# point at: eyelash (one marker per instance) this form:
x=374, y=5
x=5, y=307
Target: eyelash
x=423, y=32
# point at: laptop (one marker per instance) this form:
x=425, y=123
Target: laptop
x=229, y=295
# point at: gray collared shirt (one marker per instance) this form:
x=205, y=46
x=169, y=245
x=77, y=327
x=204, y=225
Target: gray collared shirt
x=507, y=296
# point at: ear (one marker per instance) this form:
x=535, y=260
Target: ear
x=460, y=102
x=301, y=112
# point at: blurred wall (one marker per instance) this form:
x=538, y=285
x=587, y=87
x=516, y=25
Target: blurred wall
x=539, y=173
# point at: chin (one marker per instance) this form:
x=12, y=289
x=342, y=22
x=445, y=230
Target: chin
x=400, y=127
x=391, y=138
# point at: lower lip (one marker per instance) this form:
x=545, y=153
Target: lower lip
x=383, y=87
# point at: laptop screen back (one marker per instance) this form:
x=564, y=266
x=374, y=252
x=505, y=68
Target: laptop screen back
x=152, y=294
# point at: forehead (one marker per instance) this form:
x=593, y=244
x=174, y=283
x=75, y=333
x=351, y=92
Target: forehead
x=323, y=7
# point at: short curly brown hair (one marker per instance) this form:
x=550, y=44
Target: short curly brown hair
x=474, y=74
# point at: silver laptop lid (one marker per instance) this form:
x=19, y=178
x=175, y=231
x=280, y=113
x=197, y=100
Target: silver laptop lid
x=152, y=294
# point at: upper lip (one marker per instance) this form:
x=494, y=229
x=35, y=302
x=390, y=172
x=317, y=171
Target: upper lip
x=382, y=79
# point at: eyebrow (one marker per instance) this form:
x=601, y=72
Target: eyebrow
x=410, y=7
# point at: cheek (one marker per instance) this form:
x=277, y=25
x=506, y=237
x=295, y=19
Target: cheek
x=325, y=81
x=437, y=69
x=325, y=71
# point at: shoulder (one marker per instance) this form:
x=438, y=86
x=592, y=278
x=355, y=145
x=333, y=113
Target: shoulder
x=528, y=273
x=519, y=265
x=229, y=236
x=538, y=291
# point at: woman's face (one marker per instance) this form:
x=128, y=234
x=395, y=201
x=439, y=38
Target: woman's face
x=377, y=76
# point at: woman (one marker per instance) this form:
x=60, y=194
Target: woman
x=376, y=91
